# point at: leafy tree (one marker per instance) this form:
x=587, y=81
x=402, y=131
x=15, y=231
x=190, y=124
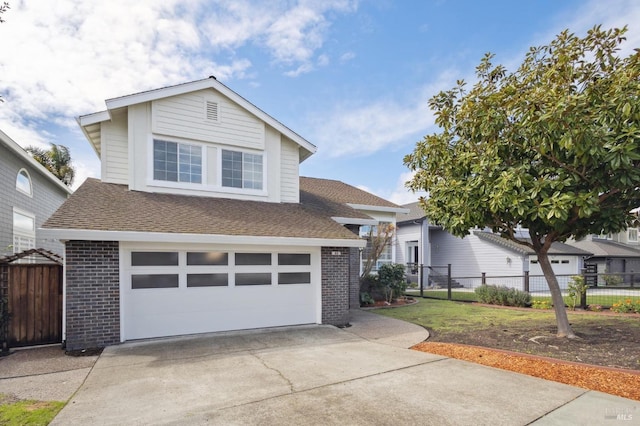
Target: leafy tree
x=3, y=8
x=56, y=159
x=378, y=238
x=553, y=147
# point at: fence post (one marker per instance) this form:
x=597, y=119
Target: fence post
x=421, y=278
x=525, y=279
x=631, y=283
x=583, y=294
x=484, y=278
x=449, y=281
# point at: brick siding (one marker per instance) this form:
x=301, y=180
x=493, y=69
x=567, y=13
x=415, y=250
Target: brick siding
x=92, y=294
x=335, y=285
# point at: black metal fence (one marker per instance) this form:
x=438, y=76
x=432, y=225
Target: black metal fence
x=604, y=290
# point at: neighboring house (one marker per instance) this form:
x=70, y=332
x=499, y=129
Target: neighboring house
x=479, y=252
x=29, y=194
x=201, y=223
x=613, y=254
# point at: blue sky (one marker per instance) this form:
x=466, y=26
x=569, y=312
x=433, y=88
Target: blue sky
x=352, y=77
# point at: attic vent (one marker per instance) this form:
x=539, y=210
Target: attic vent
x=212, y=111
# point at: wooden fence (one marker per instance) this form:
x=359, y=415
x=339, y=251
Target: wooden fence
x=34, y=303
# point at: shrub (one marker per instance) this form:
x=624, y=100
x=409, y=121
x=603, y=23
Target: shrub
x=501, y=295
x=541, y=304
x=366, y=299
x=391, y=278
x=626, y=306
x=577, y=288
x=612, y=280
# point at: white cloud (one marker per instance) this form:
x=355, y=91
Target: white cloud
x=363, y=129
x=401, y=194
x=346, y=57
x=66, y=57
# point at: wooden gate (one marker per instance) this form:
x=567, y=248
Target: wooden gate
x=33, y=294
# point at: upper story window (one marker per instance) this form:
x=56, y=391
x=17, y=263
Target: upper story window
x=242, y=170
x=177, y=162
x=632, y=235
x=23, y=183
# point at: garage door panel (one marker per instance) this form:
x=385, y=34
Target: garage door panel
x=157, y=312
x=187, y=313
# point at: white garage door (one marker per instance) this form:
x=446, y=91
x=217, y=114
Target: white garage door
x=175, y=292
x=562, y=265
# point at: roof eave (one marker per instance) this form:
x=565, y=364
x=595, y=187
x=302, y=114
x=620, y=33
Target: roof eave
x=162, y=237
x=354, y=221
x=385, y=209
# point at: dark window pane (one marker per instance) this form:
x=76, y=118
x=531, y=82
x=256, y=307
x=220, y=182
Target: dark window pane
x=154, y=281
x=253, y=279
x=253, y=258
x=294, y=278
x=207, y=258
x=294, y=259
x=207, y=280
x=154, y=258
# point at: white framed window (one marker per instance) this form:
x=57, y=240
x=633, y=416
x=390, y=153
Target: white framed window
x=632, y=235
x=23, y=183
x=242, y=170
x=177, y=162
x=385, y=257
x=24, y=231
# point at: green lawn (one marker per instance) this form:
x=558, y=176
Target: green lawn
x=452, y=317
x=28, y=412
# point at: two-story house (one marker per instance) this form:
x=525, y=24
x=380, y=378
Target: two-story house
x=201, y=223
x=29, y=194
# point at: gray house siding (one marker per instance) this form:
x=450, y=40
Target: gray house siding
x=47, y=197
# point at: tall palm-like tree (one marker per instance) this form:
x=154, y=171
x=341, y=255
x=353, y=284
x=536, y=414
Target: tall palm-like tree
x=56, y=159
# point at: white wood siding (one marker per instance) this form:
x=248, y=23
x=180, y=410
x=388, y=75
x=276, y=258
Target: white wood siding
x=470, y=256
x=115, y=150
x=184, y=116
x=139, y=134
x=404, y=234
x=289, y=172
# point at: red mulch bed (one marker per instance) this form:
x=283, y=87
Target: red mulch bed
x=624, y=383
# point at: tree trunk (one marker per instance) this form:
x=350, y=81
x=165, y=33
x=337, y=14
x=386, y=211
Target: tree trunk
x=564, y=328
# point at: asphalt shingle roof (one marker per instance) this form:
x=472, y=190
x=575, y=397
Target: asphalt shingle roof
x=603, y=248
x=341, y=192
x=556, y=248
x=103, y=206
x=415, y=213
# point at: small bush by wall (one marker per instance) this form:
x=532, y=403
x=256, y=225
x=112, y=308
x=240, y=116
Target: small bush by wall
x=501, y=295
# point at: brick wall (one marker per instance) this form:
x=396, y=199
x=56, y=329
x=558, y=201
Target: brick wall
x=354, y=278
x=93, y=294
x=335, y=285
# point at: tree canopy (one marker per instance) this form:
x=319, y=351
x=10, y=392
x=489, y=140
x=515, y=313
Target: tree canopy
x=552, y=146
x=57, y=159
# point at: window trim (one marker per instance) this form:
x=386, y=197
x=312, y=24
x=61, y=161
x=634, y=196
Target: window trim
x=152, y=181
x=30, y=236
x=243, y=190
x=28, y=176
x=629, y=231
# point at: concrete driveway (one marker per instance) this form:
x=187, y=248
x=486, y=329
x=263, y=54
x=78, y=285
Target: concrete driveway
x=319, y=375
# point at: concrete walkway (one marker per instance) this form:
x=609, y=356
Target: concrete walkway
x=309, y=375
